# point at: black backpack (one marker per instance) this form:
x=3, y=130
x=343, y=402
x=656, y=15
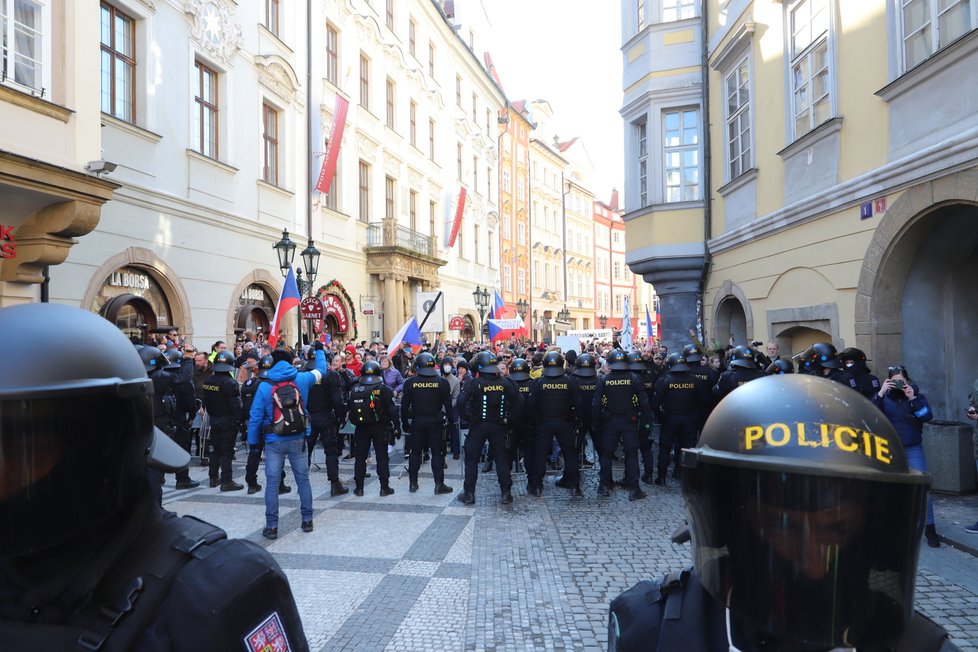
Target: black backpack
x=288, y=415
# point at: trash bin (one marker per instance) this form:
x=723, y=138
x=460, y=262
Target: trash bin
x=950, y=458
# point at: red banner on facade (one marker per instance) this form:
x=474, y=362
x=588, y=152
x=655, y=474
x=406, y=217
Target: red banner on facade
x=456, y=225
x=333, y=150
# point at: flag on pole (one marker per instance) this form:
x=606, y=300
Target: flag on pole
x=409, y=335
x=505, y=328
x=459, y=212
x=290, y=299
x=626, y=326
x=649, y=327
x=498, y=306
x=328, y=170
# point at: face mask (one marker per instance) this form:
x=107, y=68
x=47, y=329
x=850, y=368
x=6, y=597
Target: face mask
x=447, y=368
x=850, y=363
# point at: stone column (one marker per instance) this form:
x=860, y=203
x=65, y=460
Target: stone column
x=676, y=280
x=391, y=301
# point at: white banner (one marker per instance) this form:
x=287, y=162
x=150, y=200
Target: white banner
x=436, y=320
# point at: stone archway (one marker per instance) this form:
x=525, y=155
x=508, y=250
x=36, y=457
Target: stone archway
x=917, y=299
x=732, y=315
x=271, y=284
x=161, y=272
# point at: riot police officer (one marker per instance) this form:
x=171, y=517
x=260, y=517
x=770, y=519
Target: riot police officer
x=637, y=366
x=248, y=390
x=825, y=362
x=521, y=433
x=743, y=369
x=704, y=374
x=327, y=412
x=586, y=372
x=371, y=409
x=426, y=411
x=489, y=404
x=680, y=401
x=779, y=367
x=790, y=548
x=619, y=400
x=88, y=558
x=551, y=407
x=854, y=361
x=222, y=400
x=181, y=365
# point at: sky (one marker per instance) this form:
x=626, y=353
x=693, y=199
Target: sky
x=568, y=53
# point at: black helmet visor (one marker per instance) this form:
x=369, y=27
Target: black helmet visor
x=821, y=560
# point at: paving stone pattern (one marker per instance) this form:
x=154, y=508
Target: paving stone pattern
x=423, y=572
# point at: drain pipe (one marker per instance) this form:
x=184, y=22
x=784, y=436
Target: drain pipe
x=707, y=161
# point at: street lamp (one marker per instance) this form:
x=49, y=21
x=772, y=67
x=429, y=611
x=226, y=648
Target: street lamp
x=522, y=307
x=564, y=314
x=285, y=250
x=481, y=296
x=603, y=320
x=310, y=260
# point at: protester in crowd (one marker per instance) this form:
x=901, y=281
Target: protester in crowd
x=392, y=377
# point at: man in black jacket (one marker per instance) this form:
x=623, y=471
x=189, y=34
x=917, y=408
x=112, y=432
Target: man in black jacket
x=327, y=412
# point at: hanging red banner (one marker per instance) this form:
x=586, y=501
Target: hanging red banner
x=456, y=225
x=333, y=149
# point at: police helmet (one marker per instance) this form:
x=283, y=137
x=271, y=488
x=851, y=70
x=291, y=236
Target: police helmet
x=425, y=365
x=780, y=366
x=851, y=356
x=485, y=362
x=553, y=364
x=741, y=356
x=519, y=369
x=586, y=366
x=173, y=357
x=635, y=362
x=153, y=359
x=824, y=355
x=692, y=354
x=618, y=360
x=224, y=362
x=371, y=373
x=676, y=362
x=76, y=428
x=266, y=363
x=782, y=496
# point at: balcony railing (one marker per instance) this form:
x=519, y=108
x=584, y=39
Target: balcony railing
x=391, y=234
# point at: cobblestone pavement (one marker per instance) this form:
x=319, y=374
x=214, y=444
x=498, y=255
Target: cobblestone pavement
x=422, y=572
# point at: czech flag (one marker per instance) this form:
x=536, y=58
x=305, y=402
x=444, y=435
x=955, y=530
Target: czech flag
x=649, y=327
x=498, y=306
x=409, y=335
x=290, y=299
x=506, y=328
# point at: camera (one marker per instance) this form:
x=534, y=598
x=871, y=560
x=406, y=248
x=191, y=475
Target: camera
x=899, y=384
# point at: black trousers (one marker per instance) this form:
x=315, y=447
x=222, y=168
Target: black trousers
x=376, y=434
x=478, y=434
x=678, y=432
x=222, y=439
x=645, y=448
x=427, y=435
x=566, y=436
x=325, y=429
x=181, y=435
x=521, y=440
x=614, y=431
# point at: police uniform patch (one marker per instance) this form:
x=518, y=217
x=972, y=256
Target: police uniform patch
x=269, y=636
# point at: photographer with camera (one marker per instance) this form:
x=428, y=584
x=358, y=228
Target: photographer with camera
x=907, y=409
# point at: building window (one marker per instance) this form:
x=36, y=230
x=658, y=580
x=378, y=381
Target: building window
x=412, y=37
x=431, y=139
x=678, y=10
x=458, y=159
x=390, y=103
x=507, y=278
x=506, y=182
x=640, y=14
x=617, y=270
x=736, y=87
x=432, y=213
x=413, y=124
x=22, y=25
x=810, y=100
x=475, y=173
x=118, y=45
x=643, y=163
x=413, y=210
x=431, y=59
x=364, y=82
x=520, y=189
x=682, y=145
x=272, y=16
x=521, y=281
x=364, y=181
x=458, y=91
x=507, y=228
x=390, y=187
x=923, y=36
x=521, y=233
x=332, y=196
x=332, y=55
x=205, y=111
x=488, y=120
x=475, y=109
x=270, y=138
x=390, y=15
x=489, y=182
x=475, y=242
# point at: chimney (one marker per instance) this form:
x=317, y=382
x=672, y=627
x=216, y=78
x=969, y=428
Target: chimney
x=614, y=199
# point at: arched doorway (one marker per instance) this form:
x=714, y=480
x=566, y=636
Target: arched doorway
x=133, y=299
x=798, y=338
x=730, y=319
x=133, y=315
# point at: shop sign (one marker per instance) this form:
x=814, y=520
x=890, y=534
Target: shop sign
x=368, y=307
x=456, y=323
x=8, y=246
x=311, y=308
x=253, y=294
x=129, y=280
x=332, y=305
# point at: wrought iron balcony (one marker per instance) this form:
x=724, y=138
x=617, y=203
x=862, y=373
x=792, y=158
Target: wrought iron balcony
x=391, y=234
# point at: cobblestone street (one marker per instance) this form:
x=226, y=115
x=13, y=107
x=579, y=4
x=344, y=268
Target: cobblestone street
x=422, y=572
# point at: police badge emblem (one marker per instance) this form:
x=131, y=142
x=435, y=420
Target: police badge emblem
x=269, y=636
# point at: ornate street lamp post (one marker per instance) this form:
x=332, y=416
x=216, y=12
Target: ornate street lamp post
x=603, y=320
x=481, y=296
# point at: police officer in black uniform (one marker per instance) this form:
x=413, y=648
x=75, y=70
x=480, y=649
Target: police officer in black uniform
x=327, y=412
x=854, y=361
x=619, y=400
x=679, y=400
x=88, y=560
x=521, y=433
x=743, y=369
x=489, y=404
x=222, y=400
x=426, y=411
x=825, y=362
x=791, y=550
x=181, y=365
x=637, y=366
x=704, y=375
x=371, y=409
x=779, y=367
x=551, y=407
x=586, y=372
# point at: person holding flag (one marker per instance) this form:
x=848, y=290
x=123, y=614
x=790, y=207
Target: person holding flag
x=290, y=299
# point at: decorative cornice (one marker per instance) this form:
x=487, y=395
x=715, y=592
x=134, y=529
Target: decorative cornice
x=277, y=75
x=367, y=146
x=213, y=27
x=392, y=165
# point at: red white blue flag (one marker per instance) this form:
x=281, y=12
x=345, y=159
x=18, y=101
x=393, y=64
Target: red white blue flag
x=409, y=335
x=290, y=299
x=498, y=306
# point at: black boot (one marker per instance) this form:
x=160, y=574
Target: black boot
x=930, y=533
x=467, y=498
x=336, y=488
x=443, y=489
x=487, y=467
x=413, y=487
x=603, y=490
x=358, y=491
x=386, y=490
